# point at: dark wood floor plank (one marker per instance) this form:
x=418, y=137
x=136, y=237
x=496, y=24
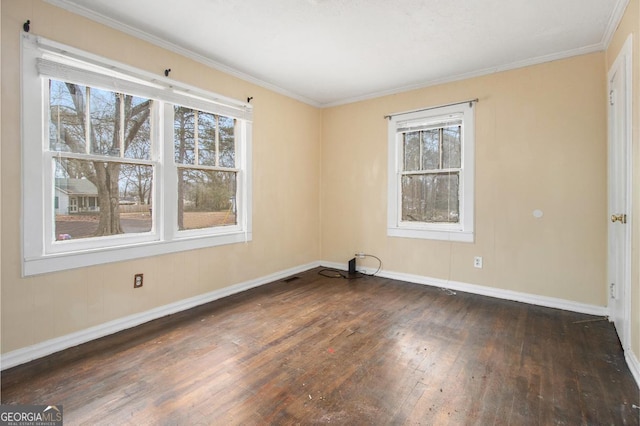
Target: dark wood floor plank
x=317, y=350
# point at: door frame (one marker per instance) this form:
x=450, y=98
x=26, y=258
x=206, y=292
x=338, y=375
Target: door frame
x=622, y=62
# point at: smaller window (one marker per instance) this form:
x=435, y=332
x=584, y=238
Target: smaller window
x=431, y=163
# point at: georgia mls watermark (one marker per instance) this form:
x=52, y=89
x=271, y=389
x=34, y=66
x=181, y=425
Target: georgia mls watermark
x=30, y=415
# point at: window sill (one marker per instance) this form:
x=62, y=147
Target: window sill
x=78, y=259
x=431, y=234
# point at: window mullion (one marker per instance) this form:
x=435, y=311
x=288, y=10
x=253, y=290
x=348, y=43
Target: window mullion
x=217, y=140
x=100, y=158
x=440, y=147
x=87, y=121
x=196, y=137
x=122, y=124
x=239, y=156
x=431, y=172
x=421, y=150
x=58, y=135
x=208, y=168
x=168, y=171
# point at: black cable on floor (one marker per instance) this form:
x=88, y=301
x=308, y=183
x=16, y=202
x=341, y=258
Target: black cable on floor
x=336, y=273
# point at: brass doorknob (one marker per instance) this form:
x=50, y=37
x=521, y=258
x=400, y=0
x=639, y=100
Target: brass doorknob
x=622, y=218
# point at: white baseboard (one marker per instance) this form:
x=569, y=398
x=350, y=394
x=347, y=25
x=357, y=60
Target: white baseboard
x=39, y=350
x=634, y=365
x=532, y=299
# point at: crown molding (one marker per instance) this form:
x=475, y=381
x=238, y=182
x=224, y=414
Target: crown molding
x=614, y=21
x=157, y=41
x=612, y=25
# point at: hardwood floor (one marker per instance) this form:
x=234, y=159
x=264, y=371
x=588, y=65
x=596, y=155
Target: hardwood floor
x=317, y=350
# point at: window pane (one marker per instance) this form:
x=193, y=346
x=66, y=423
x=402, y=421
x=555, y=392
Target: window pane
x=451, y=147
x=105, y=137
x=138, y=127
x=430, y=198
x=206, y=139
x=430, y=149
x=66, y=117
x=183, y=135
x=227, y=142
x=206, y=199
x=411, y=147
x=107, y=110
x=212, y=143
x=79, y=188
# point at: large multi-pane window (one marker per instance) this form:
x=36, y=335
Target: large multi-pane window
x=431, y=173
x=119, y=164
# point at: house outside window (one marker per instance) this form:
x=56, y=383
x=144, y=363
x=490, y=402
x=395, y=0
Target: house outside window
x=131, y=166
x=431, y=173
x=68, y=191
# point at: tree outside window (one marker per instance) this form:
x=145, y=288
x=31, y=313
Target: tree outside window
x=204, y=149
x=98, y=136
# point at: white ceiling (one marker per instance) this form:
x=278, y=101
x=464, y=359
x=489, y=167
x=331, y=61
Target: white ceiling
x=328, y=52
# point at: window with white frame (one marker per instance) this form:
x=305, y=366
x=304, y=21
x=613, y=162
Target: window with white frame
x=431, y=172
x=119, y=163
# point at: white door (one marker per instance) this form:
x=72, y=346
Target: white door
x=619, y=185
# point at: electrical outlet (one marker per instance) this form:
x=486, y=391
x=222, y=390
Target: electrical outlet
x=137, y=281
x=477, y=262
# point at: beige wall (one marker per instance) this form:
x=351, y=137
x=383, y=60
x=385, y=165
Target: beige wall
x=630, y=25
x=286, y=148
x=540, y=144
